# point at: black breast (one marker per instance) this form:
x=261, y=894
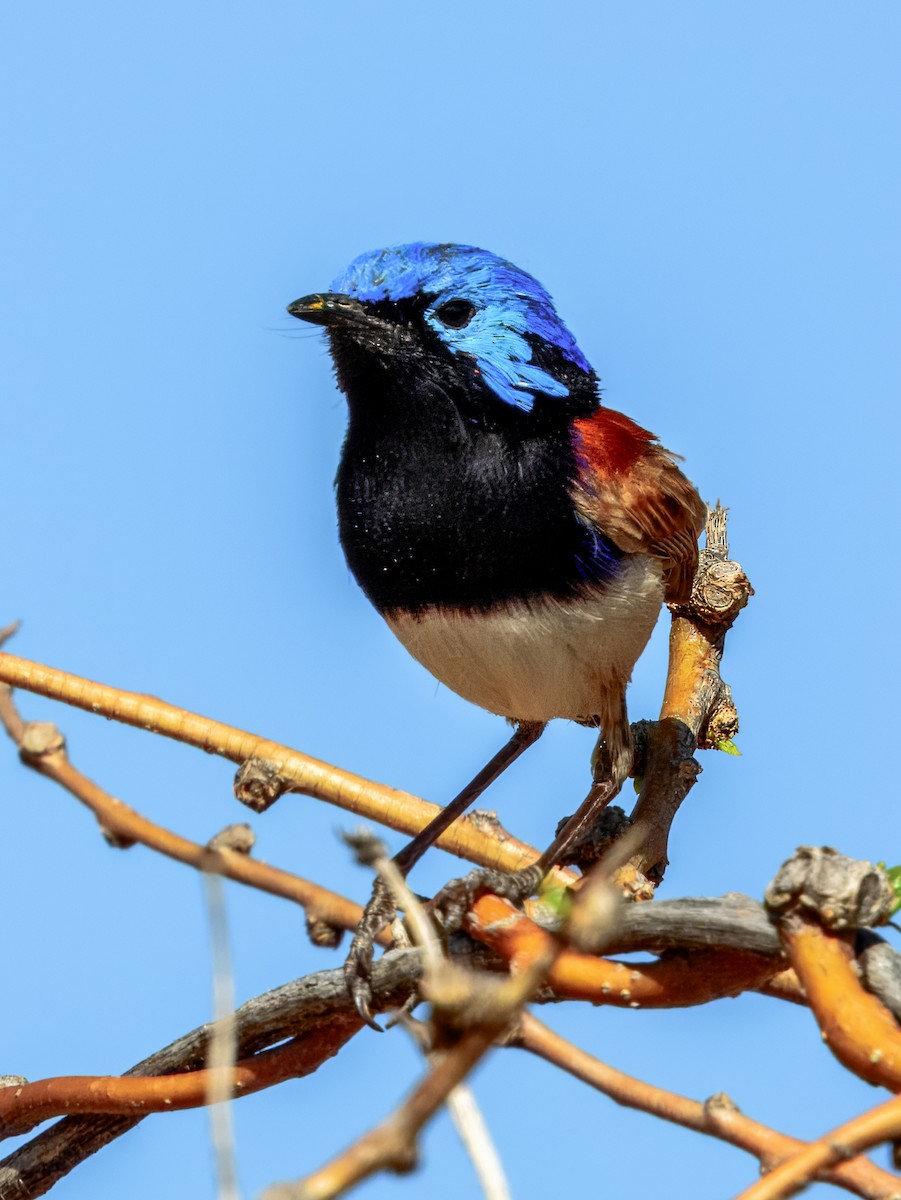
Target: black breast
x=438, y=505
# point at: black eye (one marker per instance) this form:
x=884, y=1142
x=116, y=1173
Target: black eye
x=456, y=314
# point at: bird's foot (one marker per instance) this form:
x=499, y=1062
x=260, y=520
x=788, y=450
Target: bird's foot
x=449, y=909
x=378, y=913
x=594, y=840
x=455, y=899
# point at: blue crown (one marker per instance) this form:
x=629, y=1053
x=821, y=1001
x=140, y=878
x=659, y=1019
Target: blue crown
x=511, y=308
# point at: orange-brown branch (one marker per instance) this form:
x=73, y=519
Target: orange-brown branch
x=857, y=1028
x=717, y=1117
x=320, y=903
x=299, y=772
x=483, y=1010
x=878, y=1125
x=692, y=653
x=23, y=1106
x=43, y=749
x=697, y=707
x=391, y=1145
x=677, y=980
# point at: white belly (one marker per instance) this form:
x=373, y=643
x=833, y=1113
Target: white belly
x=541, y=659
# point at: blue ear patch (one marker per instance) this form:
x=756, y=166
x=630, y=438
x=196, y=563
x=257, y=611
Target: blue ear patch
x=509, y=305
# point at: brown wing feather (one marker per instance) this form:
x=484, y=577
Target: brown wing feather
x=630, y=487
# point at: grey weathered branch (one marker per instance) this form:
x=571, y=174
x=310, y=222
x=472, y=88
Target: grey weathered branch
x=296, y=1008
x=730, y=922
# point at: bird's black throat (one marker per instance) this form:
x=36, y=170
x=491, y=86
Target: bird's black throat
x=449, y=496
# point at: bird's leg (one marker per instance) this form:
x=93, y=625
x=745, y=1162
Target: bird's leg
x=611, y=764
x=380, y=909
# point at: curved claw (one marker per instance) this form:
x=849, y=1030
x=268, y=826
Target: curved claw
x=357, y=974
x=452, y=903
x=358, y=966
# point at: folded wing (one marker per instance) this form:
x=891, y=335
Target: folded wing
x=631, y=489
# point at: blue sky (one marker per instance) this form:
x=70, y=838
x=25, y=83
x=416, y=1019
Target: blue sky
x=710, y=192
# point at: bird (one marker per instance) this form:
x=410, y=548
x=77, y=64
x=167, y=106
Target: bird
x=518, y=536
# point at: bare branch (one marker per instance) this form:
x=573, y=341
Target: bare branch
x=392, y=1144
x=313, y=1005
x=483, y=1010
x=819, y=897
x=399, y=810
x=43, y=748
x=675, y=980
x=469, y=1013
x=717, y=1117
x=878, y=1125
x=461, y=1103
x=222, y=1052
x=315, y=1009
x=697, y=707
x=857, y=1028
x=469, y=1123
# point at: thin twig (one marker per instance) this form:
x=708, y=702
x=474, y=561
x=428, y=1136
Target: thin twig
x=469, y=1123
x=461, y=1103
x=223, y=1048
x=483, y=1014
x=46, y=753
x=878, y=1125
x=718, y=1117
x=391, y=1145
x=473, y=1132
x=399, y=810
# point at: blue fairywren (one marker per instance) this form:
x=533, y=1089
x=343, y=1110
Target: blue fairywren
x=518, y=537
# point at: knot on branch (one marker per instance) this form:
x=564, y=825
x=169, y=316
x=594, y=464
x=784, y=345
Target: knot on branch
x=258, y=784
x=719, y=1103
x=240, y=838
x=720, y=589
x=486, y=820
x=722, y=721
x=367, y=848
x=323, y=933
x=39, y=740
x=842, y=892
x=114, y=839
